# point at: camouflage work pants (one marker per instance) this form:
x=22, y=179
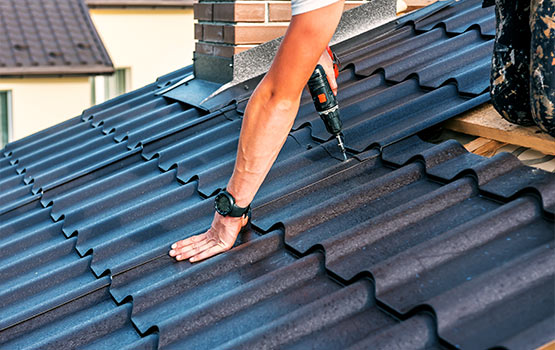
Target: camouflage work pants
x=523, y=64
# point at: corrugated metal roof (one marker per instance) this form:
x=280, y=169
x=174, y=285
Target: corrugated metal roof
x=406, y=52
x=405, y=245
x=51, y=276
x=69, y=151
x=257, y=296
x=50, y=37
x=454, y=241
x=92, y=321
x=460, y=18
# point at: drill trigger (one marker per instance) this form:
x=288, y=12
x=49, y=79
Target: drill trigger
x=335, y=60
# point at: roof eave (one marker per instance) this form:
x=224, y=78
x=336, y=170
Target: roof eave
x=55, y=70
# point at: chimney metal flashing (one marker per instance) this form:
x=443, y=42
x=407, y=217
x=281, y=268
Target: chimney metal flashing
x=248, y=64
x=231, y=71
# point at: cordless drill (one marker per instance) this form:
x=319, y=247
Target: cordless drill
x=326, y=103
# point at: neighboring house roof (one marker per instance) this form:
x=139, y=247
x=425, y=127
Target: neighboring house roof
x=141, y=3
x=405, y=245
x=53, y=37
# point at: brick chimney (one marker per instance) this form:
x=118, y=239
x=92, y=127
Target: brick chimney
x=228, y=27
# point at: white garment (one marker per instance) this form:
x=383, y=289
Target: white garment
x=302, y=6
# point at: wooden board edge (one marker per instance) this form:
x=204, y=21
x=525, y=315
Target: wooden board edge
x=537, y=144
x=548, y=346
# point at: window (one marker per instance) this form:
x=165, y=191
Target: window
x=104, y=88
x=5, y=117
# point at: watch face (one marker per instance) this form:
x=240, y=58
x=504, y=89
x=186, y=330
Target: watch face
x=223, y=204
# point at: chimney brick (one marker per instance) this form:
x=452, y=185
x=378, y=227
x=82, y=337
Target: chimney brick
x=203, y=11
x=253, y=34
x=242, y=22
x=240, y=12
x=279, y=11
x=198, y=31
x=220, y=49
x=228, y=27
x=214, y=33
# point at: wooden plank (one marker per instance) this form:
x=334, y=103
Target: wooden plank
x=475, y=144
x=419, y=3
x=484, y=121
x=489, y=149
x=416, y=4
x=548, y=346
x=484, y=147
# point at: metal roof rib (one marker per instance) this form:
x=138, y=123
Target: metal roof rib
x=92, y=321
x=407, y=244
x=458, y=19
x=55, y=275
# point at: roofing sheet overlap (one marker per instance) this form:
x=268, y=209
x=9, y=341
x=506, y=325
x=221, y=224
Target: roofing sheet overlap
x=92, y=321
x=259, y=295
x=405, y=245
x=52, y=275
x=64, y=153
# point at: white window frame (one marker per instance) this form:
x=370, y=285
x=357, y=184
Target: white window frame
x=99, y=86
x=9, y=110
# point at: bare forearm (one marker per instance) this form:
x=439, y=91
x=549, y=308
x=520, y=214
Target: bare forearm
x=272, y=109
x=266, y=124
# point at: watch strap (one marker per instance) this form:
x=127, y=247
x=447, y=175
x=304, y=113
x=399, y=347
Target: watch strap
x=236, y=211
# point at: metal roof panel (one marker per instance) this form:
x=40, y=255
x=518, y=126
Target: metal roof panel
x=384, y=250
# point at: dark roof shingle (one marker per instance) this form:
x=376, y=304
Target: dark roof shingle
x=140, y=3
x=50, y=37
x=405, y=245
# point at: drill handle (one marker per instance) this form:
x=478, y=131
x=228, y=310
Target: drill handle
x=320, y=90
x=324, y=100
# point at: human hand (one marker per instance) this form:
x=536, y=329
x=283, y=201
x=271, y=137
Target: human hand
x=326, y=62
x=219, y=238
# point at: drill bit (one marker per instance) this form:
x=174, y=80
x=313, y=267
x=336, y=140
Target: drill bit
x=341, y=146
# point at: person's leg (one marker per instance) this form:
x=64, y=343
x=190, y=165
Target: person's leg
x=510, y=78
x=542, y=65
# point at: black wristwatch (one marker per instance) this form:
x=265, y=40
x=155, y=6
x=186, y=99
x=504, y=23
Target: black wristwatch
x=225, y=205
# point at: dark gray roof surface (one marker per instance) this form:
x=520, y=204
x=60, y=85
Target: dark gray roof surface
x=140, y=3
x=49, y=37
x=407, y=245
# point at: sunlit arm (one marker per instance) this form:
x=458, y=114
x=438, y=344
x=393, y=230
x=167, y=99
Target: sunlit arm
x=268, y=119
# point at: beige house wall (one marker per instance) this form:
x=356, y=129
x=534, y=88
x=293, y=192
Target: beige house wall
x=151, y=42
x=38, y=103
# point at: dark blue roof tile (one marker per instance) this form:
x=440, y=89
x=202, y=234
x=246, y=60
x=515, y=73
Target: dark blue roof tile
x=92, y=321
x=257, y=295
x=459, y=17
x=463, y=58
x=385, y=250
x=39, y=267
